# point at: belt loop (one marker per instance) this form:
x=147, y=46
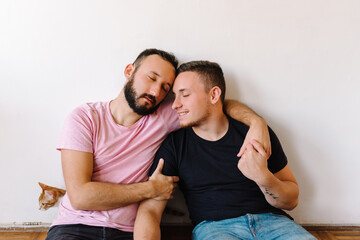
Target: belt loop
x=103, y=233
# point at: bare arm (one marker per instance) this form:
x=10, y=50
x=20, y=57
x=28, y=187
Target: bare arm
x=85, y=194
x=280, y=189
x=147, y=223
x=258, y=129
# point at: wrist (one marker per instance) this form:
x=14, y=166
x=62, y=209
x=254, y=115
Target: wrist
x=266, y=180
x=150, y=189
x=257, y=121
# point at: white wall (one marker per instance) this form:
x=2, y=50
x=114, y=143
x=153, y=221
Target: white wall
x=295, y=62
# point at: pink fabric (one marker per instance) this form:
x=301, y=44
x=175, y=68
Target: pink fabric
x=121, y=155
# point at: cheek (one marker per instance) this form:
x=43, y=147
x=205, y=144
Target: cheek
x=163, y=94
x=200, y=104
x=139, y=84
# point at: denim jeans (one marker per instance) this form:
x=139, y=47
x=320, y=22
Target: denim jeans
x=85, y=232
x=265, y=226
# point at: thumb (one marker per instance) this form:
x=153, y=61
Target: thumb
x=242, y=150
x=159, y=166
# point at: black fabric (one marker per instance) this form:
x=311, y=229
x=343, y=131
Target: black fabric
x=213, y=186
x=85, y=232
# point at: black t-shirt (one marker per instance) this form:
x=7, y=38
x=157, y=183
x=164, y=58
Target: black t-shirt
x=213, y=186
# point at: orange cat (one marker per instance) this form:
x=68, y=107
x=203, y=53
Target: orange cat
x=49, y=196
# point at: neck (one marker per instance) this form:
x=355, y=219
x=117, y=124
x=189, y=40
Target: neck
x=214, y=128
x=121, y=111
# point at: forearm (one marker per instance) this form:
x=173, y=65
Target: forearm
x=280, y=194
x=100, y=196
x=243, y=113
x=147, y=223
x=85, y=194
x=147, y=227
x=258, y=128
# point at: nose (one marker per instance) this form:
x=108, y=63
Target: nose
x=176, y=104
x=155, y=90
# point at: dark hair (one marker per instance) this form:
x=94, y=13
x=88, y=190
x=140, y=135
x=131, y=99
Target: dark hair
x=169, y=57
x=210, y=72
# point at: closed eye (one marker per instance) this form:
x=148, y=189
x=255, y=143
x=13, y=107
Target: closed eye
x=166, y=87
x=183, y=93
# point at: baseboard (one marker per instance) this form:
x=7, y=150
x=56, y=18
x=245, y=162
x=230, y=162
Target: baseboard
x=324, y=227
x=25, y=227
x=308, y=227
x=44, y=227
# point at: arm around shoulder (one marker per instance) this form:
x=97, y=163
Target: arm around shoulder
x=258, y=128
x=241, y=112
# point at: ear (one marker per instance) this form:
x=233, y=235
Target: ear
x=43, y=186
x=129, y=69
x=50, y=195
x=215, y=94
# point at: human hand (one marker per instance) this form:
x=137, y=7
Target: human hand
x=259, y=132
x=164, y=186
x=253, y=162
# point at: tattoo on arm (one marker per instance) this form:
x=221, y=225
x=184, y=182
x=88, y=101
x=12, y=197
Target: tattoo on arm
x=271, y=194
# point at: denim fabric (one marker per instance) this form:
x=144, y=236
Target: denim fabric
x=266, y=226
x=84, y=232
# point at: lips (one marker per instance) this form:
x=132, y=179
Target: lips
x=182, y=113
x=150, y=99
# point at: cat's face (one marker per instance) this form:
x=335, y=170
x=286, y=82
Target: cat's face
x=47, y=199
x=49, y=196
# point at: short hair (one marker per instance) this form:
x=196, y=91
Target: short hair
x=169, y=57
x=210, y=72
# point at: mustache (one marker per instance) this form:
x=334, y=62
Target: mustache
x=148, y=96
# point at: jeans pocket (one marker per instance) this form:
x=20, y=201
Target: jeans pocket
x=199, y=225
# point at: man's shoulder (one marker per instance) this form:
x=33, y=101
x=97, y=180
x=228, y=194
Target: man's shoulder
x=237, y=124
x=164, y=108
x=91, y=108
x=165, y=116
x=178, y=134
x=175, y=138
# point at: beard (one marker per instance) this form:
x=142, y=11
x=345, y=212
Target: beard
x=132, y=99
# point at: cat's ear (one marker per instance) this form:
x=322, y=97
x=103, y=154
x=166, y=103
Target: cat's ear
x=43, y=186
x=50, y=195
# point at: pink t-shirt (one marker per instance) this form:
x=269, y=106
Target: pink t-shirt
x=122, y=155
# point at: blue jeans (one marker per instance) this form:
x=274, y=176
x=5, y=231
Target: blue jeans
x=265, y=226
x=85, y=232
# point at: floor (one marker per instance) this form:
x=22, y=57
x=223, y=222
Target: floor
x=321, y=235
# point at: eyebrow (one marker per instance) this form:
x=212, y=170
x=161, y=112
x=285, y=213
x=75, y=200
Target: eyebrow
x=155, y=73
x=182, y=90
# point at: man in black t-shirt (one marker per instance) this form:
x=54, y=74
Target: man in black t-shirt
x=227, y=197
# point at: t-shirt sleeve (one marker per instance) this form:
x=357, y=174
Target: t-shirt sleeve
x=166, y=152
x=169, y=116
x=278, y=159
x=77, y=132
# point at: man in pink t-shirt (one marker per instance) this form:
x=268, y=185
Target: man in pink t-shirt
x=107, y=149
